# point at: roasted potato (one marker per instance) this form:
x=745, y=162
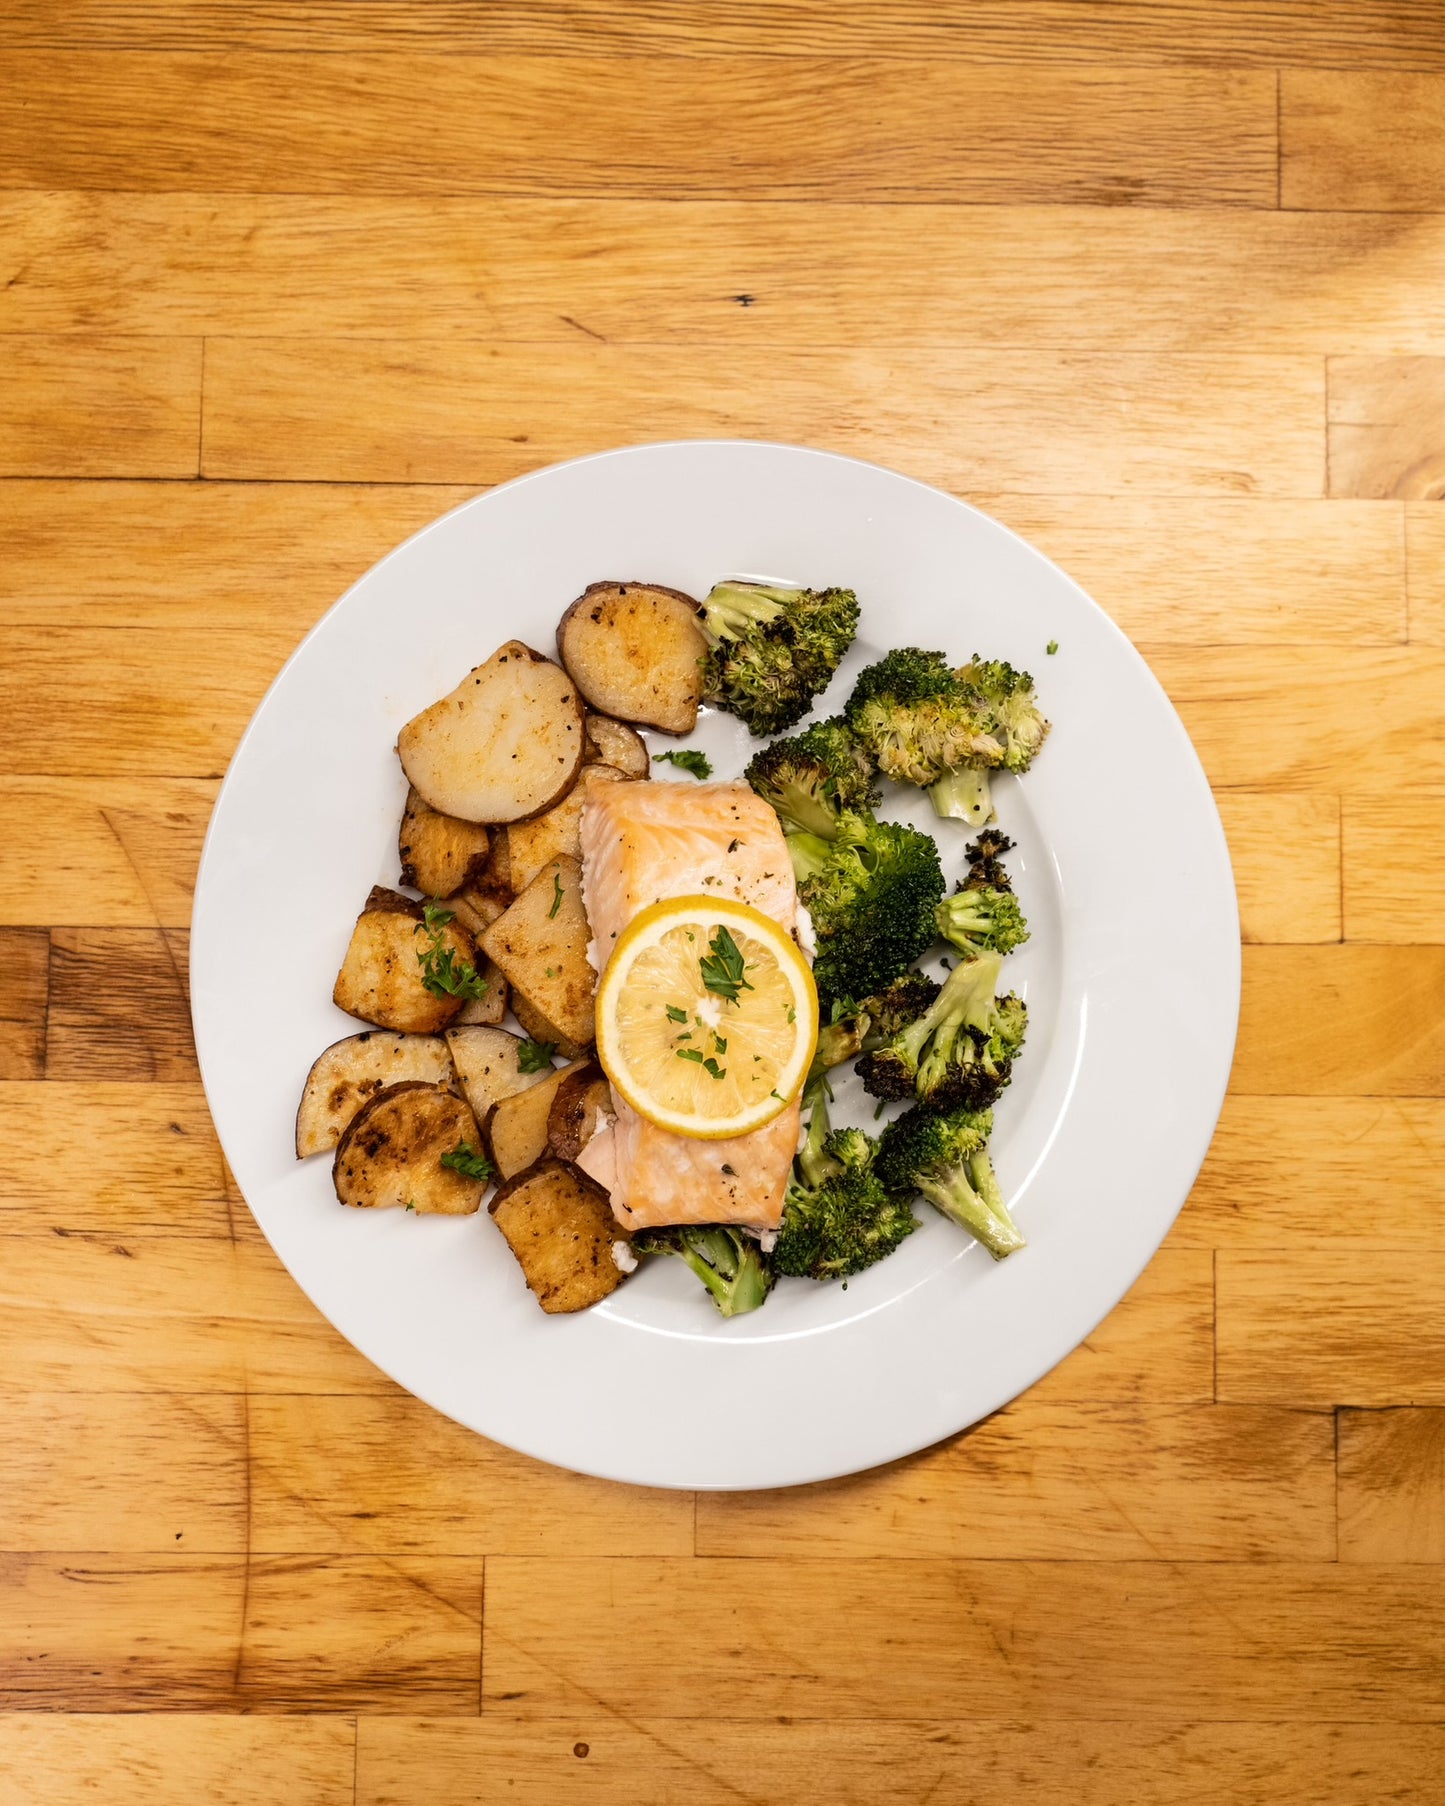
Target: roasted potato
x=581, y=1105
x=439, y=854
x=491, y=1006
x=541, y=946
x=535, y=1026
x=634, y=650
x=485, y=1060
x=352, y=1071
x=533, y=844
x=476, y=910
x=381, y=977
x=392, y=1152
x=614, y=743
x=516, y=1127
x=560, y=1226
x=504, y=745
x=496, y=881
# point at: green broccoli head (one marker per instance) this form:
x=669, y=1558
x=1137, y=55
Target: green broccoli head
x=944, y=1155
x=983, y=920
x=840, y=1217
x=812, y=777
x=871, y=901
x=918, y=721
x=856, y=1026
x=1009, y=693
x=960, y=1051
x=771, y=650
x=730, y=1264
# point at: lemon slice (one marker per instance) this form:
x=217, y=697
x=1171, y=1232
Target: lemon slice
x=706, y=1017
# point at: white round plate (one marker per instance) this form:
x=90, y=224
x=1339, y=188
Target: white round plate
x=1131, y=976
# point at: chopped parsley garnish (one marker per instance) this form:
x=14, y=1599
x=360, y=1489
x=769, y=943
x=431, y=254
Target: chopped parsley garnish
x=674, y=1014
x=690, y=1053
x=689, y=758
x=535, y=1056
x=465, y=1159
x=711, y=1067
x=719, y=1045
x=442, y=973
x=722, y=970
x=1052, y=648
x=556, y=895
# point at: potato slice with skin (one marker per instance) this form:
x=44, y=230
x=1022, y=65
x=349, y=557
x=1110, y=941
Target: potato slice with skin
x=634, y=651
x=616, y=744
x=516, y=1126
x=535, y=1026
x=381, y=977
x=392, y=1150
x=560, y=1226
x=541, y=946
x=504, y=745
x=351, y=1072
x=533, y=844
x=581, y=1106
x=486, y=1066
x=438, y=853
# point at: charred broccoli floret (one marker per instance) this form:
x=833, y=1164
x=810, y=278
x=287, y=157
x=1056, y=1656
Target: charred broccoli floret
x=857, y=1026
x=985, y=861
x=871, y=898
x=838, y=1216
x=811, y=780
x=944, y=1155
x=960, y=1050
x=730, y=1264
x=771, y=650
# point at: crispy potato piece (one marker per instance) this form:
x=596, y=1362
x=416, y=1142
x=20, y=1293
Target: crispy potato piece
x=491, y=1007
x=497, y=879
x=516, y=1126
x=634, y=651
x=392, y=1150
x=533, y=844
x=541, y=946
x=560, y=1226
x=614, y=743
x=504, y=745
x=535, y=1026
x=486, y=1066
x=581, y=1105
x=352, y=1071
x=381, y=977
x=476, y=910
x=439, y=854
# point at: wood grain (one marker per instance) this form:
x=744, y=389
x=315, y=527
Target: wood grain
x=24, y=1001
x=1425, y=568
x=1358, y=138
x=1101, y=1639
x=1394, y=867
x=542, y=269
x=789, y=129
x=353, y=411
x=1331, y=1327
x=118, y=1005
x=1392, y=1485
x=1386, y=436
x=100, y=407
x=1065, y=1483
x=1286, y=855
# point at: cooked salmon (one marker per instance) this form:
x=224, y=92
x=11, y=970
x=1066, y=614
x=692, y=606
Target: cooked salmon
x=641, y=843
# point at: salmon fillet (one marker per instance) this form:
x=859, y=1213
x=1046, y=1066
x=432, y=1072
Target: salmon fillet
x=640, y=843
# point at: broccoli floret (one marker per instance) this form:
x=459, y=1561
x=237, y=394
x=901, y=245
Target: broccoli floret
x=982, y=921
x=871, y=899
x=1009, y=693
x=985, y=862
x=770, y=650
x=945, y=1156
x=814, y=776
x=959, y=1051
x=858, y=1026
x=730, y=1264
x=838, y=1216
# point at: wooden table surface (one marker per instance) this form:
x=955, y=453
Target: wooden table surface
x=1161, y=283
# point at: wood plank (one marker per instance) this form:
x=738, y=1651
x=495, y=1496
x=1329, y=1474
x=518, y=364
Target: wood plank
x=118, y=1005
x=24, y=1001
x=353, y=410
x=391, y=1476
x=1134, y=1640
x=1286, y=853
x=120, y=852
x=400, y=1634
x=1425, y=573
x=1280, y=1169
x=112, y=1158
x=722, y=272
x=1387, y=427
x=1394, y=867
x=789, y=129
x=1346, y=1021
x=1326, y=1328
x=99, y=407
x=1392, y=1486
x=161, y=1759
x=592, y=1756
x=1065, y=1483
x=1361, y=138
x=174, y=1473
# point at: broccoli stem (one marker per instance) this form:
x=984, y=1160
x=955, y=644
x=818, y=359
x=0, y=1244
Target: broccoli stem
x=813, y=1164
x=963, y=796
x=731, y=608
x=965, y=1001
x=739, y=1282
x=809, y=854
x=981, y=1212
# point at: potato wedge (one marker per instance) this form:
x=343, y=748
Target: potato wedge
x=352, y=1071
x=438, y=853
x=476, y=910
x=541, y=946
x=634, y=651
x=560, y=1226
x=614, y=743
x=504, y=745
x=533, y=844
x=485, y=1060
x=381, y=977
x=581, y=1105
x=516, y=1127
x=491, y=1006
x=535, y=1026
x=392, y=1150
